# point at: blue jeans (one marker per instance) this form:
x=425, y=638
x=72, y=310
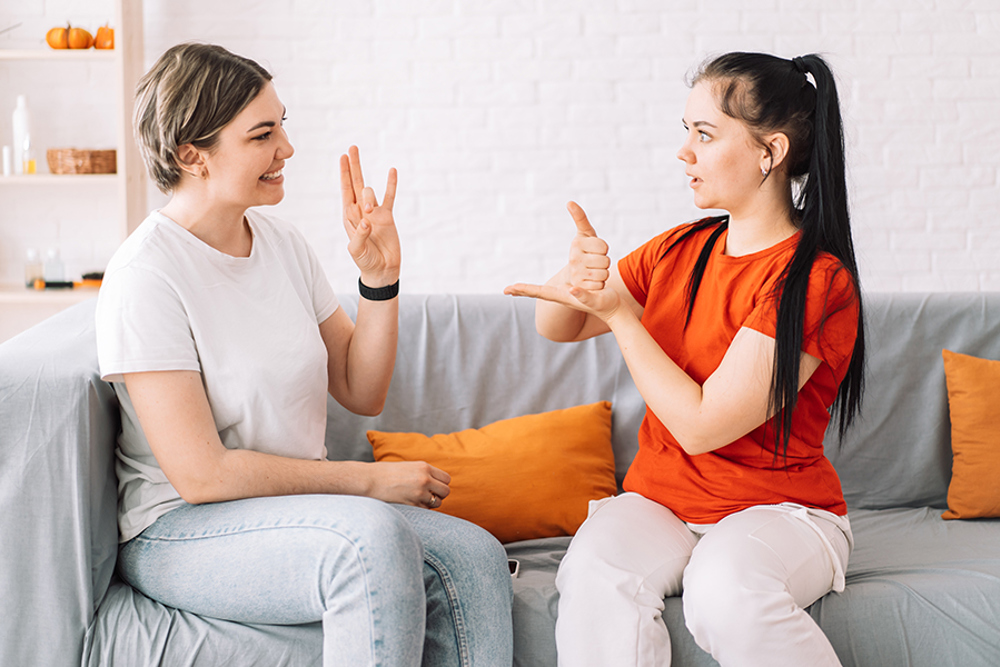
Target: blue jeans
x=393, y=585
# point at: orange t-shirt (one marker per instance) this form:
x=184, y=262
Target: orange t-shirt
x=736, y=292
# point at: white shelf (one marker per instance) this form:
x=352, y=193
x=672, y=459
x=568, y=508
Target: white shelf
x=18, y=294
x=57, y=179
x=58, y=54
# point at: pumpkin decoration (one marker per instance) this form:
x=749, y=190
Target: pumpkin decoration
x=74, y=38
x=80, y=39
x=105, y=38
x=58, y=38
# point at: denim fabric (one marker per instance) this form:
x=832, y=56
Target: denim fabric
x=392, y=584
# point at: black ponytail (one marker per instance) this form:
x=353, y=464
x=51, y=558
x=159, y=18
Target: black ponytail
x=825, y=225
x=773, y=94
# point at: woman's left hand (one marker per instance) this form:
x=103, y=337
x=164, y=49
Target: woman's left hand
x=587, y=289
x=371, y=229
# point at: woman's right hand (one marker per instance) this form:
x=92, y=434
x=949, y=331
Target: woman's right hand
x=409, y=483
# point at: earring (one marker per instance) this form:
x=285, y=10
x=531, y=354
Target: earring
x=763, y=172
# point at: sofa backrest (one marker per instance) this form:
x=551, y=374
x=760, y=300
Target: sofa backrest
x=467, y=360
x=899, y=452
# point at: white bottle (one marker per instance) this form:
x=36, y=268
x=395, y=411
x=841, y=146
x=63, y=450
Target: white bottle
x=33, y=268
x=22, y=133
x=54, y=271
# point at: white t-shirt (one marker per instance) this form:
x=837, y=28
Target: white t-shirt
x=249, y=325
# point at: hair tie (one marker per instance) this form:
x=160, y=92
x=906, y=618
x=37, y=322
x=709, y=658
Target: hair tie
x=800, y=64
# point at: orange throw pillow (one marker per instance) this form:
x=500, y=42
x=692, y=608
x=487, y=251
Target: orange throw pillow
x=520, y=478
x=974, y=404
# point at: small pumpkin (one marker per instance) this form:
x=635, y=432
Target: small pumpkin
x=58, y=38
x=105, y=38
x=80, y=39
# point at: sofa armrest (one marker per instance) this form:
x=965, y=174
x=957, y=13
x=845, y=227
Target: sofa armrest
x=58, y=491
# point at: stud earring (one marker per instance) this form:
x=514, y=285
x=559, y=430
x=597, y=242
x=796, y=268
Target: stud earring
x=763, y=172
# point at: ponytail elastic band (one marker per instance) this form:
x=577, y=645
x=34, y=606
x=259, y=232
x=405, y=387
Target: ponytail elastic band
x=800, y=64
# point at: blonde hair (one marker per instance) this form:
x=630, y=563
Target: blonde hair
x=187, y=97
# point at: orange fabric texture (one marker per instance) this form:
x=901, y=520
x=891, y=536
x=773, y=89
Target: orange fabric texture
x=737, y=292
x=521, y=478
x=973, y=400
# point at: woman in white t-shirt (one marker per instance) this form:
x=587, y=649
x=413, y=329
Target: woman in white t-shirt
x=222, y=337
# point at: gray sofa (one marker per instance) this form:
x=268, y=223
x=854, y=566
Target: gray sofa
x=920, y=590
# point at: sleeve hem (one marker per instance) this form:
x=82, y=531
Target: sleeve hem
x=116, y=372
x=328, y=311
x=633, y=289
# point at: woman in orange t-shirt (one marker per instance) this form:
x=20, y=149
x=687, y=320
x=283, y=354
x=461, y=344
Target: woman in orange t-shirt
x=741, y=332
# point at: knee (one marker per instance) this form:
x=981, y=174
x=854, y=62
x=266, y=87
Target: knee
x=377, y=550
x=723, y=601
x=364, y=533
x=707, y=597
x=587, y=572
x=467, y=549
x=476, y=545
x=387, y=532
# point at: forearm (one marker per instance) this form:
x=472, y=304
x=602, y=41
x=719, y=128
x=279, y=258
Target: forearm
x=235, y=474
x=669, y=392
x=556, y=321
x=371, y=355
x=238, y=473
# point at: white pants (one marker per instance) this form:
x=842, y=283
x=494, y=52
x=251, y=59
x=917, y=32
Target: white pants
x=744, y=580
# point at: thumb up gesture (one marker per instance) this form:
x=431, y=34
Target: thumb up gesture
x=586, y=274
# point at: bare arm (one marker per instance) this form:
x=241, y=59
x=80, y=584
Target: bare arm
x=733, y=400
x=203, y=470
x=362, y=355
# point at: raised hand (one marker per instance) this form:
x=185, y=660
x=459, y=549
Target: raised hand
x=585, y=276
x=371, y=229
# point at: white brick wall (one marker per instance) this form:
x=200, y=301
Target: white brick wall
x=496, y=112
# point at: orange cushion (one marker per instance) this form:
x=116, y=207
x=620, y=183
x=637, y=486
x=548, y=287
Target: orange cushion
x=520, y=478
x=974, y=404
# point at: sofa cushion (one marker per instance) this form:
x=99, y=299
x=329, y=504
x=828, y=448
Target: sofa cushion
x=131, y=629
x=920, y=591
x=973, y=400
x=521, y=478
x=898, y=452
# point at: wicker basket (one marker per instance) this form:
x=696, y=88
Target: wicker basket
x=77, y=161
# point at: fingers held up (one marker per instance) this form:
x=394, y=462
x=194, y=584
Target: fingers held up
x=352, y=184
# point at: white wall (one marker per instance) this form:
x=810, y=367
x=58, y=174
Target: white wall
x=496, y=112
